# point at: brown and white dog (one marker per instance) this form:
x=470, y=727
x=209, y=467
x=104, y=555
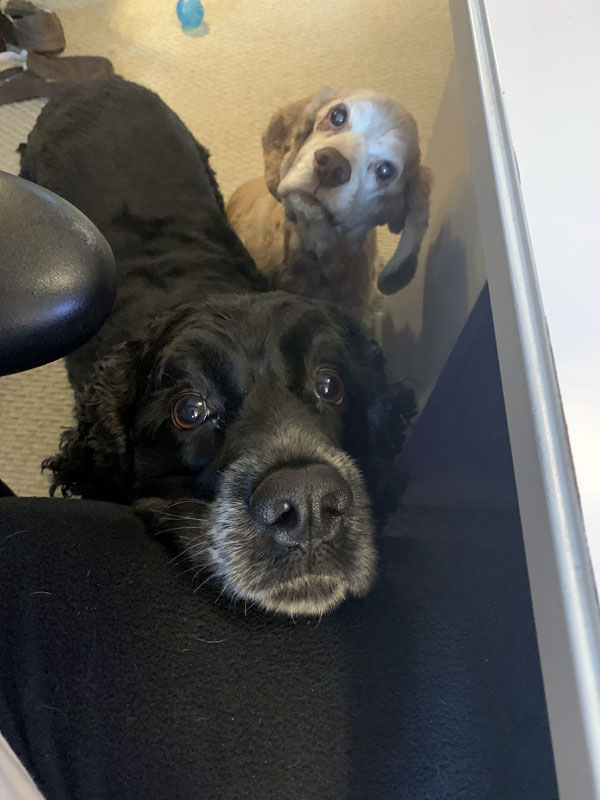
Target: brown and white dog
x=336, y=167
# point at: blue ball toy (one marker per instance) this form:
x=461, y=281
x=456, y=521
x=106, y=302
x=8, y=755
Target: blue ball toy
x=190, y=13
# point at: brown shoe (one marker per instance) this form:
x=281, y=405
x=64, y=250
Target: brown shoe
x=26, y=26
x=44, y=76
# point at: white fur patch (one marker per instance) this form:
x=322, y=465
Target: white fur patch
x=378, y=129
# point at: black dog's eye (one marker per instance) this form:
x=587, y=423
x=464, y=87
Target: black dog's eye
x=338, y=116
x=329, y=386
x=385, y=170
x=188, y=411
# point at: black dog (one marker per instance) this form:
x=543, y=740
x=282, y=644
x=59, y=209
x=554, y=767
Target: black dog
x=246, y=413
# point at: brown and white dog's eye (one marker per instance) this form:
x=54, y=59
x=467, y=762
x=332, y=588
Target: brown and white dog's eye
x=338, y=116
x=385, y=170
x=329, y=386
x=189, y=411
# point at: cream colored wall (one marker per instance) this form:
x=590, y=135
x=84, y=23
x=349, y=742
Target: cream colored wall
x=257, y=55
x=421, y=324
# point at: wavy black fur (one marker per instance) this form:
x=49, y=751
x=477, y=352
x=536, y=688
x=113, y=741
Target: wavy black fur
x=193, y=315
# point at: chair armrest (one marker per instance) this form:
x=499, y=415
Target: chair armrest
x=57, y=276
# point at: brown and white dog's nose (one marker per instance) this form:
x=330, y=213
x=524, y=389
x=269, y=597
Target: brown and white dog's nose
x=297, y=505
x=332, y=168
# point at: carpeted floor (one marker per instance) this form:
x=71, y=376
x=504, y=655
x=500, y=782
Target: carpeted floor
x=253, y=56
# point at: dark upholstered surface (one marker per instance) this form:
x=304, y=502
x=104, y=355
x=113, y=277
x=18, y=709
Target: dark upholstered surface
x=119, y=681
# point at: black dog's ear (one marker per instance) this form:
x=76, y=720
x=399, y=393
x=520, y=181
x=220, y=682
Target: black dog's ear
x=392, y=407
x=95, y=457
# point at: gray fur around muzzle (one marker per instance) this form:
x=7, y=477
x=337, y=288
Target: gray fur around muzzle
x=290, y=528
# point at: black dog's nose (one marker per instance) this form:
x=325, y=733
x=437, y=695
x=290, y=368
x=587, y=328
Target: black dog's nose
x=332, y=167
x=296, y=505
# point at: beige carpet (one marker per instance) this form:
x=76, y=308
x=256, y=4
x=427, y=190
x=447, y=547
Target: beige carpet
x=256, y=55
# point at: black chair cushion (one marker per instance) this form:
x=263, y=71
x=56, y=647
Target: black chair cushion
x=118, y=680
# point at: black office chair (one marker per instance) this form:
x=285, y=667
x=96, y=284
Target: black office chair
x=57, y=276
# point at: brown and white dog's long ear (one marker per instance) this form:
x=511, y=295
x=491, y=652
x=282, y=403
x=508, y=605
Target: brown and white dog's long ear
x=412, y=221
x=288, y=130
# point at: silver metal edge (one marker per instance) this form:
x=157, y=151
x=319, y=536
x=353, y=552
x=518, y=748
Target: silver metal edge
x=562, y=584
